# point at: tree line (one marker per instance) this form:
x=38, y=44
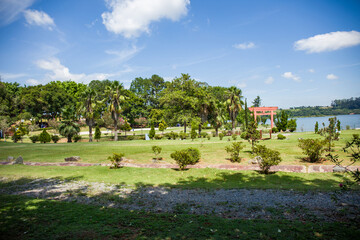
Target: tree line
x=148, y=101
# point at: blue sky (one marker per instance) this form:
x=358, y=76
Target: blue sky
x=290, y=53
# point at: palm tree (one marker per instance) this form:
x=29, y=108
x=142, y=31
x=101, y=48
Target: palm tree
x=218, y=115
x=69, y=129
x=115, y=98
x=88, y=109
x=233, y=104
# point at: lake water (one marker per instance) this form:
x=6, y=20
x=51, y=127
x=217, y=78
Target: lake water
x=307, y=124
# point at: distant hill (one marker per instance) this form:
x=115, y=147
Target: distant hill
x=337, y=107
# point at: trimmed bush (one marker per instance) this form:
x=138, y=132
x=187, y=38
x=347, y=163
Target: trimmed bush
x=234, y=151
x=234, y=137
x=189, y=156
x=34, y=138
x=97, y=133
x=244, y=135
x=115, y=159
x=269, y=158
x=274, y=130
x=281, y=137
x=130, y=137
x=158, y=136
x=55, y=138
x=44, y=137
x=313, y=148
x=221, y=135
x=77, y=138
x=152, y=132
x=204, y=135
x=157, y=151
x=174, y=135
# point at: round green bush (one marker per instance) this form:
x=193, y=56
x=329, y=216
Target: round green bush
x=281, y=137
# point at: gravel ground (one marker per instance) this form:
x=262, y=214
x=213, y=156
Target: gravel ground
x=233, y=203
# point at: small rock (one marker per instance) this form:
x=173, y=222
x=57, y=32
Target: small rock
x=339, y=169
x=72, y=159
x=19, y=160
x=10, y=159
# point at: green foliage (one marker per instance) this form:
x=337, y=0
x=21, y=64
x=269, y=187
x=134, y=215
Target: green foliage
x=34, y=138
x=252, y=134
x=156, y=150
x=316, y=127
x=234, y=151
x=77, y=138
x=183, y=135
x=189, y=156
x=161, y=127
x=44, y=136
x=244, y=135
x=158, y=136
x=330, y=133
x=152, y=132
x=193, y=133
x=174, y=135
x=234, y=137
x=281, y=120
x=69, y=129
x=115, y=159
x=338, y=125
x=130, y=137
x=55, y=138
x=269, y=158
x=292, y=125
x=97, y=133
x=281, y=137
x=221, y=135
x=313, y=148
x=17, y=136
x=274, y=130
x=204, y=134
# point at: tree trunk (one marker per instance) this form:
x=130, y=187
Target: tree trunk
x=216, y=131
x=115, y=131
x=69, y=139
x=90, y=133
x=184, y=126
x=200, y=129
x=233, y=125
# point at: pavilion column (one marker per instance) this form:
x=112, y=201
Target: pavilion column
x=272, y=119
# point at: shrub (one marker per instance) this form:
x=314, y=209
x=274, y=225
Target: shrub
x=158, y=136
x=193, y=133
x=174, y=135
x=186, y=157
x=208, y=137
x=157, y=151
x=204, y=135
x=269, y=158
x=244, y=135
x=234, y=137
x=115, y=159
x=183, y=135
x=292, y=125
x=221, y=135
x=77, y=138
x=44, y=137
x=313, y=148
x=281, y=137
x=55, y=138
x=97, y=133
x=130, y=137
x=152, y=132
x=274, y=130
x=34, y=138
x=316, y=127
x=234, y=151
x=348, y=127
x=213, y=134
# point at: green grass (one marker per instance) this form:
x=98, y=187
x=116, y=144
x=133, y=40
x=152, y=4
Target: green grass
x=139, y=151
x=25, y=218
x=207, y=178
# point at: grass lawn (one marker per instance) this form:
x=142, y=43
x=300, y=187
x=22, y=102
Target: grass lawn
x=206, y=178
x=139, y=151
x=25, y=218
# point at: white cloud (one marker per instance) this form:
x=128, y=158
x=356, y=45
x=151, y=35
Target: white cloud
x=332, y=76
x=7, y=76
x=290, y=75
x=124, y=55
x=10, y=10
x=39, y=18
x=62, y=73
x=269, y=80
x=32, y=82
x=243, y=46
x=328, y=42
x=130, y=18
x=241, y=85
x=311, y=70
